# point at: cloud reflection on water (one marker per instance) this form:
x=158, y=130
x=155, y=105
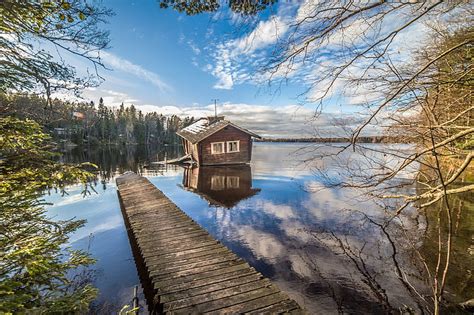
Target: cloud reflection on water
x=324, y=247
x=330, y=249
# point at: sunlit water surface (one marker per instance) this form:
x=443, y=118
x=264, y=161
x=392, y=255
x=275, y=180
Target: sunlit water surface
x=328, y=249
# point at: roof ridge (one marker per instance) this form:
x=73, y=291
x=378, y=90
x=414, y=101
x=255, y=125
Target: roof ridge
x=199, y=130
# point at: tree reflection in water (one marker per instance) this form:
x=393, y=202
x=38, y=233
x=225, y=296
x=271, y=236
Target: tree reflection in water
x=337, y=249
x=333, y=250
x=117, y=159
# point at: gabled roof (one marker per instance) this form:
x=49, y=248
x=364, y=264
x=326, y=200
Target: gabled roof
x=203, y=128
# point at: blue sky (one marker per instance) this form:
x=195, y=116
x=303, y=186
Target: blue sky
x=168, y=62
x=178, y=50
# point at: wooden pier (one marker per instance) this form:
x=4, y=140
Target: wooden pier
x=183, y=268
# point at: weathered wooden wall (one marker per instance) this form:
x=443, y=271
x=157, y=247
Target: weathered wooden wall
x=190, y=148
x=228, y=133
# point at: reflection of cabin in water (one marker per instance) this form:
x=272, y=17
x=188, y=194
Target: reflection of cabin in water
x=215, y=141
x=223, y=186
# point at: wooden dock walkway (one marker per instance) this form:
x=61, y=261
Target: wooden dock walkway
x=186, y=269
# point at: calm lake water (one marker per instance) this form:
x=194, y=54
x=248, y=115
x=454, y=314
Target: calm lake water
x=332, y=250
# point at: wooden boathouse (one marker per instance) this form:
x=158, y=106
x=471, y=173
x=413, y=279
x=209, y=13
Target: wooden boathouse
x=215, y=141
x=182, y=268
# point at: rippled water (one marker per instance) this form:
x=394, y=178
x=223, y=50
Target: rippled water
x=332, y=250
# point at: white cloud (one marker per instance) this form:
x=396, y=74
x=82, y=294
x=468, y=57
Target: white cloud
x=307, y=8
x=165, y=110
x=279, y=211
x=240, y=59
x=111, y=98
x=270, y=121
x=69, y=200
x=266, y=33
x=194, y=47
x=290, y=121
x=223, y=68
x=126, y=66
x=263, y=245
x=231, y=55
x=112, y=222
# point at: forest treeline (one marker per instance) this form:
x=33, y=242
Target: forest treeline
x=83, y=123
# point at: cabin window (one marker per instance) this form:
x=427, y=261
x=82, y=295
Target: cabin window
x=233, y=182
x=217, y=182
x=233, y=146
x=217, y=147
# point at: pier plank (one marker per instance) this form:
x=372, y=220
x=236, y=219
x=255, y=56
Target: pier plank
x=231, y=304
x=172, y=268
x=215, y=295
x=210, y=288
x=186, y=269
x=184, y=287
x=189, y=256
